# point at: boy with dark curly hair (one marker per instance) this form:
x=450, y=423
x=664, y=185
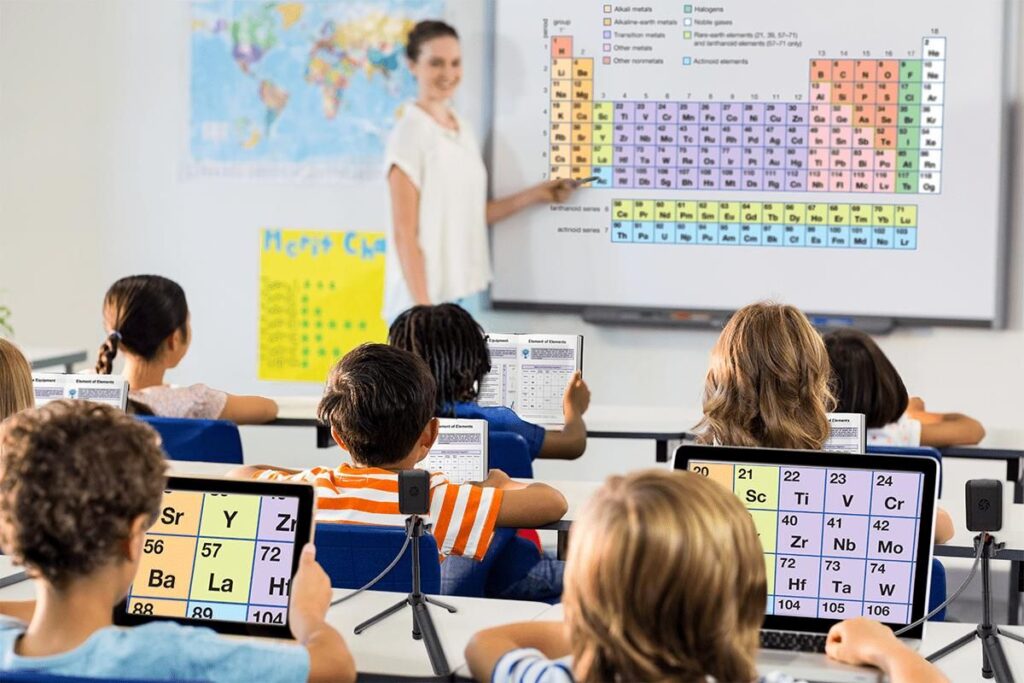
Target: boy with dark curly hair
x=80, y=483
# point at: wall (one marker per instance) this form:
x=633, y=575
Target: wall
x=93, y=117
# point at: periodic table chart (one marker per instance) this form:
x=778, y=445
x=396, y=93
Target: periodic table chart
x=838, y=543
x=225, y=557
x=779, y=140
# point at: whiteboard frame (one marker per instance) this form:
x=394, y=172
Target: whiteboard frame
x=1008, y=210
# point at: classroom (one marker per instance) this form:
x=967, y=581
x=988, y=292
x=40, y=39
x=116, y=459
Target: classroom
x=511, y=340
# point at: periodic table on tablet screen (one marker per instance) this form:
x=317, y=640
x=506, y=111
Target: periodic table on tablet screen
x=843, y=535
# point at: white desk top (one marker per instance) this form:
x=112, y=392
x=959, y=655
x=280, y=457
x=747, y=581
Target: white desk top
x=624, y=420
x=388, y=647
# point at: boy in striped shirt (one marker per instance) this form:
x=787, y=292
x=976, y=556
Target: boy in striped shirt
x=379, y=402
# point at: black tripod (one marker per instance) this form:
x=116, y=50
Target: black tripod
x=993, y=661
x=422, y=625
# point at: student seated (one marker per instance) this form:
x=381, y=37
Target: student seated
x=665, y=581
x=454, y=346
x=146, y=317
x=80, y=483
x=379, y=402
x=769, y=385
x=16, y=393
x=866, y=382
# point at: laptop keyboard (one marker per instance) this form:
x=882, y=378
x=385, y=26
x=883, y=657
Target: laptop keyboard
x=791, y=640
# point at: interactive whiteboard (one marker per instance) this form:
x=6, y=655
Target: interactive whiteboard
x=846, y=157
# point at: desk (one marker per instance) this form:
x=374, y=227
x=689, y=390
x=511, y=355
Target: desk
x=998, y=444
x=10, y=574
x=662, y=425
x=962, y=665
x=39, y=358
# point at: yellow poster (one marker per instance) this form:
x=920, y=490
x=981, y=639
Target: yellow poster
x=320, y=296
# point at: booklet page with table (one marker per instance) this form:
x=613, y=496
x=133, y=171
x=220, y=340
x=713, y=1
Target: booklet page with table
x=529, y=373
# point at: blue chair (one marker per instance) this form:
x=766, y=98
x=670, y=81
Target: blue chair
x=353, y=554
x=509, y=452
x=198, y=440
x=937, y=591
x=921, y=451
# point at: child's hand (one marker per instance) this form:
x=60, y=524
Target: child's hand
x=861, y=641
x=576, y=399
x=311, y=595
x=915, y=405
x=496, y=479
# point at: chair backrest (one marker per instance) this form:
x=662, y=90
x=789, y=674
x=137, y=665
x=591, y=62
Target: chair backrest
x=923, y=451
x=937, y=591
x=198, y=440
x=353, y=554
x=509, y=452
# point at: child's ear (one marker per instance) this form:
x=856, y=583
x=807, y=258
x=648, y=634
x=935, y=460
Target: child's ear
x=338, y=440
x=429, y=435
x=136, y=535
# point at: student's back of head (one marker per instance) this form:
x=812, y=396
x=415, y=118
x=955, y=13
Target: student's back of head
x=378, y=399
x=864, y=379
x=15, y=381
x=453, y=345
x=768, y=382
x=74, y=476
x=665, y=581
x=141, y=312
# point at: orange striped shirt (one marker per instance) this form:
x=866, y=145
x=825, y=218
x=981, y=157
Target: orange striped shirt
x=462, y=516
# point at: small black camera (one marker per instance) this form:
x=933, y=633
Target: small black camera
x=984, y=505
x=414, y=492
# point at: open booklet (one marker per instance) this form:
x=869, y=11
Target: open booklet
x=847, y=434
x=529, y=373
x=109, y=389
x=460, y=452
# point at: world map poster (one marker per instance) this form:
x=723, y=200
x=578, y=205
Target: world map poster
x=298, y=90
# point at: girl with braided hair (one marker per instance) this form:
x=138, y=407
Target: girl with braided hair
x=147, y=321
x=454, y=346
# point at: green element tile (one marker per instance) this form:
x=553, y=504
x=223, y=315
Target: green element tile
x=910, y=71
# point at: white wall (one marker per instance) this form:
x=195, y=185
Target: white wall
x=93, y=116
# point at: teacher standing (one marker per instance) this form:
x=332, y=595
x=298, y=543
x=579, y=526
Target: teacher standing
x=438, y=247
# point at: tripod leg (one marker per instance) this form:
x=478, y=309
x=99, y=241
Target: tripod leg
x=442, y=605
x=1011, y=636
x=380, y=617
x=435, y=651
x=996, y=663
x=955, y=645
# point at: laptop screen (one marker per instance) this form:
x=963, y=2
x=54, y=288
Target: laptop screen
x=844, y=535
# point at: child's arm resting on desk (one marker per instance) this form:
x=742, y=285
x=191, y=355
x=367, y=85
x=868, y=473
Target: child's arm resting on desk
x=329, y=658
x=487, y=647
x=571, y=441
x=865, y=641
x=253, y=471
x=248, y=409
x=945, y=429
x=526, y=505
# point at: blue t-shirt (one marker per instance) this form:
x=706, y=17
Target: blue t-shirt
x=162, y=651
x=501, y=419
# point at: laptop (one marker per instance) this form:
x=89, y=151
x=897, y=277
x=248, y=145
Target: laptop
x=222, y=554
x=844, y=535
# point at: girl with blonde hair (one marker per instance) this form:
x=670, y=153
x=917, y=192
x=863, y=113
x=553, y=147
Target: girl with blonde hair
x=768, y=383
x=665, y=581
x=15, y=381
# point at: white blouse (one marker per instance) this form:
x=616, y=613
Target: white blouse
x=447, y=169
x=904, y=432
